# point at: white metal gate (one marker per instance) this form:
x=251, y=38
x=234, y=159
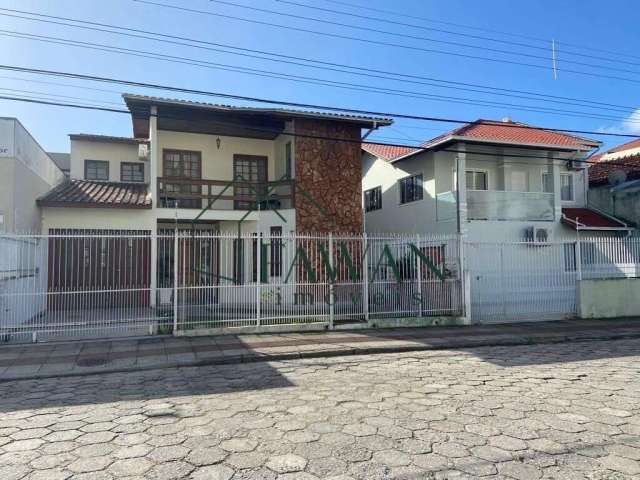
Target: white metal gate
x=97, y=284
x=520, y=281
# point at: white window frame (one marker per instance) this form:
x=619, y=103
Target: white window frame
x=478, y=170
x=573, y=187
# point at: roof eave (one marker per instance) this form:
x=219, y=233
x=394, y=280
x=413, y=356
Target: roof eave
x=365, y=121
x=567, y=148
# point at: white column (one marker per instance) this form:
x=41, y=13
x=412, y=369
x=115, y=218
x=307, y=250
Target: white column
x=153, y=188
x=461, y=187
x=557, y=202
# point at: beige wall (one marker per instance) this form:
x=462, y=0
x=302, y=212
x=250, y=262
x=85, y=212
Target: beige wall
x=97, y=218
x=217, y=163
x=114, y=153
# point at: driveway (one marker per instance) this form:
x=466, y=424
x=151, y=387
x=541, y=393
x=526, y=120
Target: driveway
x=564, y=411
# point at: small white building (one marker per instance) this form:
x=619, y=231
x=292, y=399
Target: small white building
x=26, y=172
x=519, y=183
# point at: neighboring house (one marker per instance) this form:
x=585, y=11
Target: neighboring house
x=519, y=183
x=212, y=168
x=26, y=172
x=614, y=182
x=62, y=160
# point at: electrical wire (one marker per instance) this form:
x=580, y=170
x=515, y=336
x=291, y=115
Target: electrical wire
x=316, y=137
x=450, y=32
x=298, y=104
x=299, y=78
x=416, y=37
x=480, y=29
x=370, y=73
x=378, y=42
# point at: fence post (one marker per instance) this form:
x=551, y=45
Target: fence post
x=331, y=286
x=176, y=268
x=419, y=275
x=365, y=278
x=258, y=275
x=578, y=258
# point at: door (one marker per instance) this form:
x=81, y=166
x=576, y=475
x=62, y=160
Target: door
x=252, y=169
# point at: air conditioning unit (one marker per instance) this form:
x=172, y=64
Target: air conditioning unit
x=143, y=152
x=537, y=235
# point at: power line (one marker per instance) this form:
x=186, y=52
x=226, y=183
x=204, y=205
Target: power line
x=481, y=29
x=371, y=73
x=378, y=42
x=415, y=37
x=299, y=78
x=297, y=104
x=451, y=32
x=315, y=137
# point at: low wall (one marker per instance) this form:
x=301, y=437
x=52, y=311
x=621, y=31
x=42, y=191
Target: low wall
x=609, y=298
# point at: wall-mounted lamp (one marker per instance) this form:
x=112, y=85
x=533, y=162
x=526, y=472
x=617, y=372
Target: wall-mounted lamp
x=218, y=142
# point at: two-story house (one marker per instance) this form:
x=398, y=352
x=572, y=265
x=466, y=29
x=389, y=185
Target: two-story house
x=494, y=181
x=205, y=168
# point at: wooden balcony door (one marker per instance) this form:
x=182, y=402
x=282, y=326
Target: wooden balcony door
x=182, y=164
x=251, y=168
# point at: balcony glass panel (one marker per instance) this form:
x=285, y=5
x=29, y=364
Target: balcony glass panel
x=501, y=205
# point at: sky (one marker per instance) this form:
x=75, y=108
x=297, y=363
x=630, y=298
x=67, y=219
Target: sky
x=605, y=30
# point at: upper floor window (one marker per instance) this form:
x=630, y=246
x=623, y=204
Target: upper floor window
x=96, y=170
x=566, y=187
x=131, y=172
x=411, y=189
x=477, y=180
x=373, y=199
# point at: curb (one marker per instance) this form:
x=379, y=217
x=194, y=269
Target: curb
x=346, y=351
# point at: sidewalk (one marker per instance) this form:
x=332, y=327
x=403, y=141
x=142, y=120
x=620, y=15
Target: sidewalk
x=118, y=355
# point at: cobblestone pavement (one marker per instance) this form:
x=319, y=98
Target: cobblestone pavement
x=564, y=411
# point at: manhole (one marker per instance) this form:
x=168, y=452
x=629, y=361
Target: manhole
x=92, y=361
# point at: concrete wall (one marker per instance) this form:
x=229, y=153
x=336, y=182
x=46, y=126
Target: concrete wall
x=624, y=205
x=114, y=153
x=26, y=173
x=609, y=298
x=435, y=213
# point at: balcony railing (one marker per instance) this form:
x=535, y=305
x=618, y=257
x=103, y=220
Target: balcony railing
x=225, y=194
x=501, y=205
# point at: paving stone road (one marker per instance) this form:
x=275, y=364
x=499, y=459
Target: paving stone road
x=563, y=411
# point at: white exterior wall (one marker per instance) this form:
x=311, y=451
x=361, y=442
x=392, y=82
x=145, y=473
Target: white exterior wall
x=26, y=173
x=431, y=214
x=112, y=152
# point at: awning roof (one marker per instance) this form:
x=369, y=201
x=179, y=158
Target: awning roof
x=88, y=194
x=587, y=219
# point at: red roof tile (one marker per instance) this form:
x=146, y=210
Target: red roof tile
x=512, y=132
x=599, y=172
x=625, y=146
x=388, y=152
x=83, y=193
x=585, y=219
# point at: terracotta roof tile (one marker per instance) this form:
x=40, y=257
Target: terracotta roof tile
x=512, y=132
x=84, y=193
x=585, y=218
x=388, y=152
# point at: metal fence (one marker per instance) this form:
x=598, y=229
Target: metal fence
x=537, y=280
x=79, y=283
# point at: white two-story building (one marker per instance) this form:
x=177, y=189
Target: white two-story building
x=493, y=181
